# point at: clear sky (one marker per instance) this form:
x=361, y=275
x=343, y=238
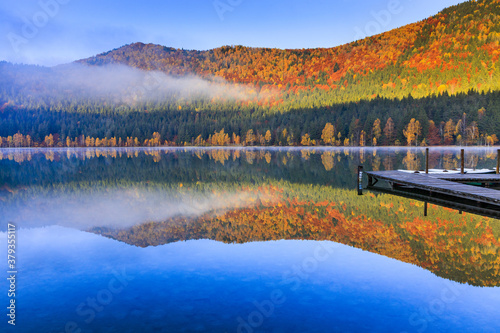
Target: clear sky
x=50, y=32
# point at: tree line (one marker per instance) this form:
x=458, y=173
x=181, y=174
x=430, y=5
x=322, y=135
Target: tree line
x=464, y=119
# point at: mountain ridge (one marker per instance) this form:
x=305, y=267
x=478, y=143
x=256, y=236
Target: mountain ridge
x=420, y=59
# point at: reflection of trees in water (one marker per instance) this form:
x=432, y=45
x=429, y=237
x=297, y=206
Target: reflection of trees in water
x=220, y=156
x=389, y=162
x=459, y=247
x=449, y=161
x=362, y=155
x=334, y=167
x=411, y=161
x=471, y=161
x=305, y=154
x=267, y=156
x=250, y=156
x=199, y=153
x=434, y=159
x=327, y=160
x=376, y=163
x=305, y=210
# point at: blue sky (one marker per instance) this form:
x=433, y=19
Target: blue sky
x=51, y=32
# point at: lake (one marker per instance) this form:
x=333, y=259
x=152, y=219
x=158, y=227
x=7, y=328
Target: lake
x=239, y=240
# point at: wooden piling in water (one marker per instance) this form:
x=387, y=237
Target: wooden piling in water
x=462, y=161
x=427, y=160
x=498, y=161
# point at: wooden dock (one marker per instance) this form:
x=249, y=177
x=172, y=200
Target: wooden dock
x=446, y=187
x=487, y=178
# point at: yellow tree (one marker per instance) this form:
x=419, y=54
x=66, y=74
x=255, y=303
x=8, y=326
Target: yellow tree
x=472, y=133
x=250, y=137
x=219, y=138
x=199, y=141
x=389, y=131
x=412, y=131
x=49, y=140
x=362, y=138
x=18, y=139
x=236, y=139
x=156, y=139
x=491, y=139
x=306, y=140
x=267, y=137
x=261, y=139
x=328, y=134
x=449, y=129
x=284, y=134
x=376, y=132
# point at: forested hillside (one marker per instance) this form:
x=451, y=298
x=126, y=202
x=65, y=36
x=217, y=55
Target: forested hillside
x=441, y=72
x=454, y=51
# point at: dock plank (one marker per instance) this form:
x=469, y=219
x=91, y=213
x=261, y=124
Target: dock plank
x=486, y=178
x=446, y=184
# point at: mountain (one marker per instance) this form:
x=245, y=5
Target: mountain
x=441, y=72
x=453, y=51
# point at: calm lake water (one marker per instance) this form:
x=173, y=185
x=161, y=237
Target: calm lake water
x=239, y=240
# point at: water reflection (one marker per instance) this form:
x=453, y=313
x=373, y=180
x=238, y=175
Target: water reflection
x=410, y=158
x=150, y=197
x=205, y=239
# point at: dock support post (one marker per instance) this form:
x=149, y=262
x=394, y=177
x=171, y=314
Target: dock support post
x=498, y=161
x=425, y=209
x=360, y=180
x=462, y=161
x=426, y=160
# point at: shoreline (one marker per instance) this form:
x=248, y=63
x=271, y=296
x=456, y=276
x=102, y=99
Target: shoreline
x=257, y=147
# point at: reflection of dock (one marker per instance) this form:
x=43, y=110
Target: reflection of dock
x=448, y=189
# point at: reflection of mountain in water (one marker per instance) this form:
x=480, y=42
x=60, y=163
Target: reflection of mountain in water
x=286, y=194
x=461, y=248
